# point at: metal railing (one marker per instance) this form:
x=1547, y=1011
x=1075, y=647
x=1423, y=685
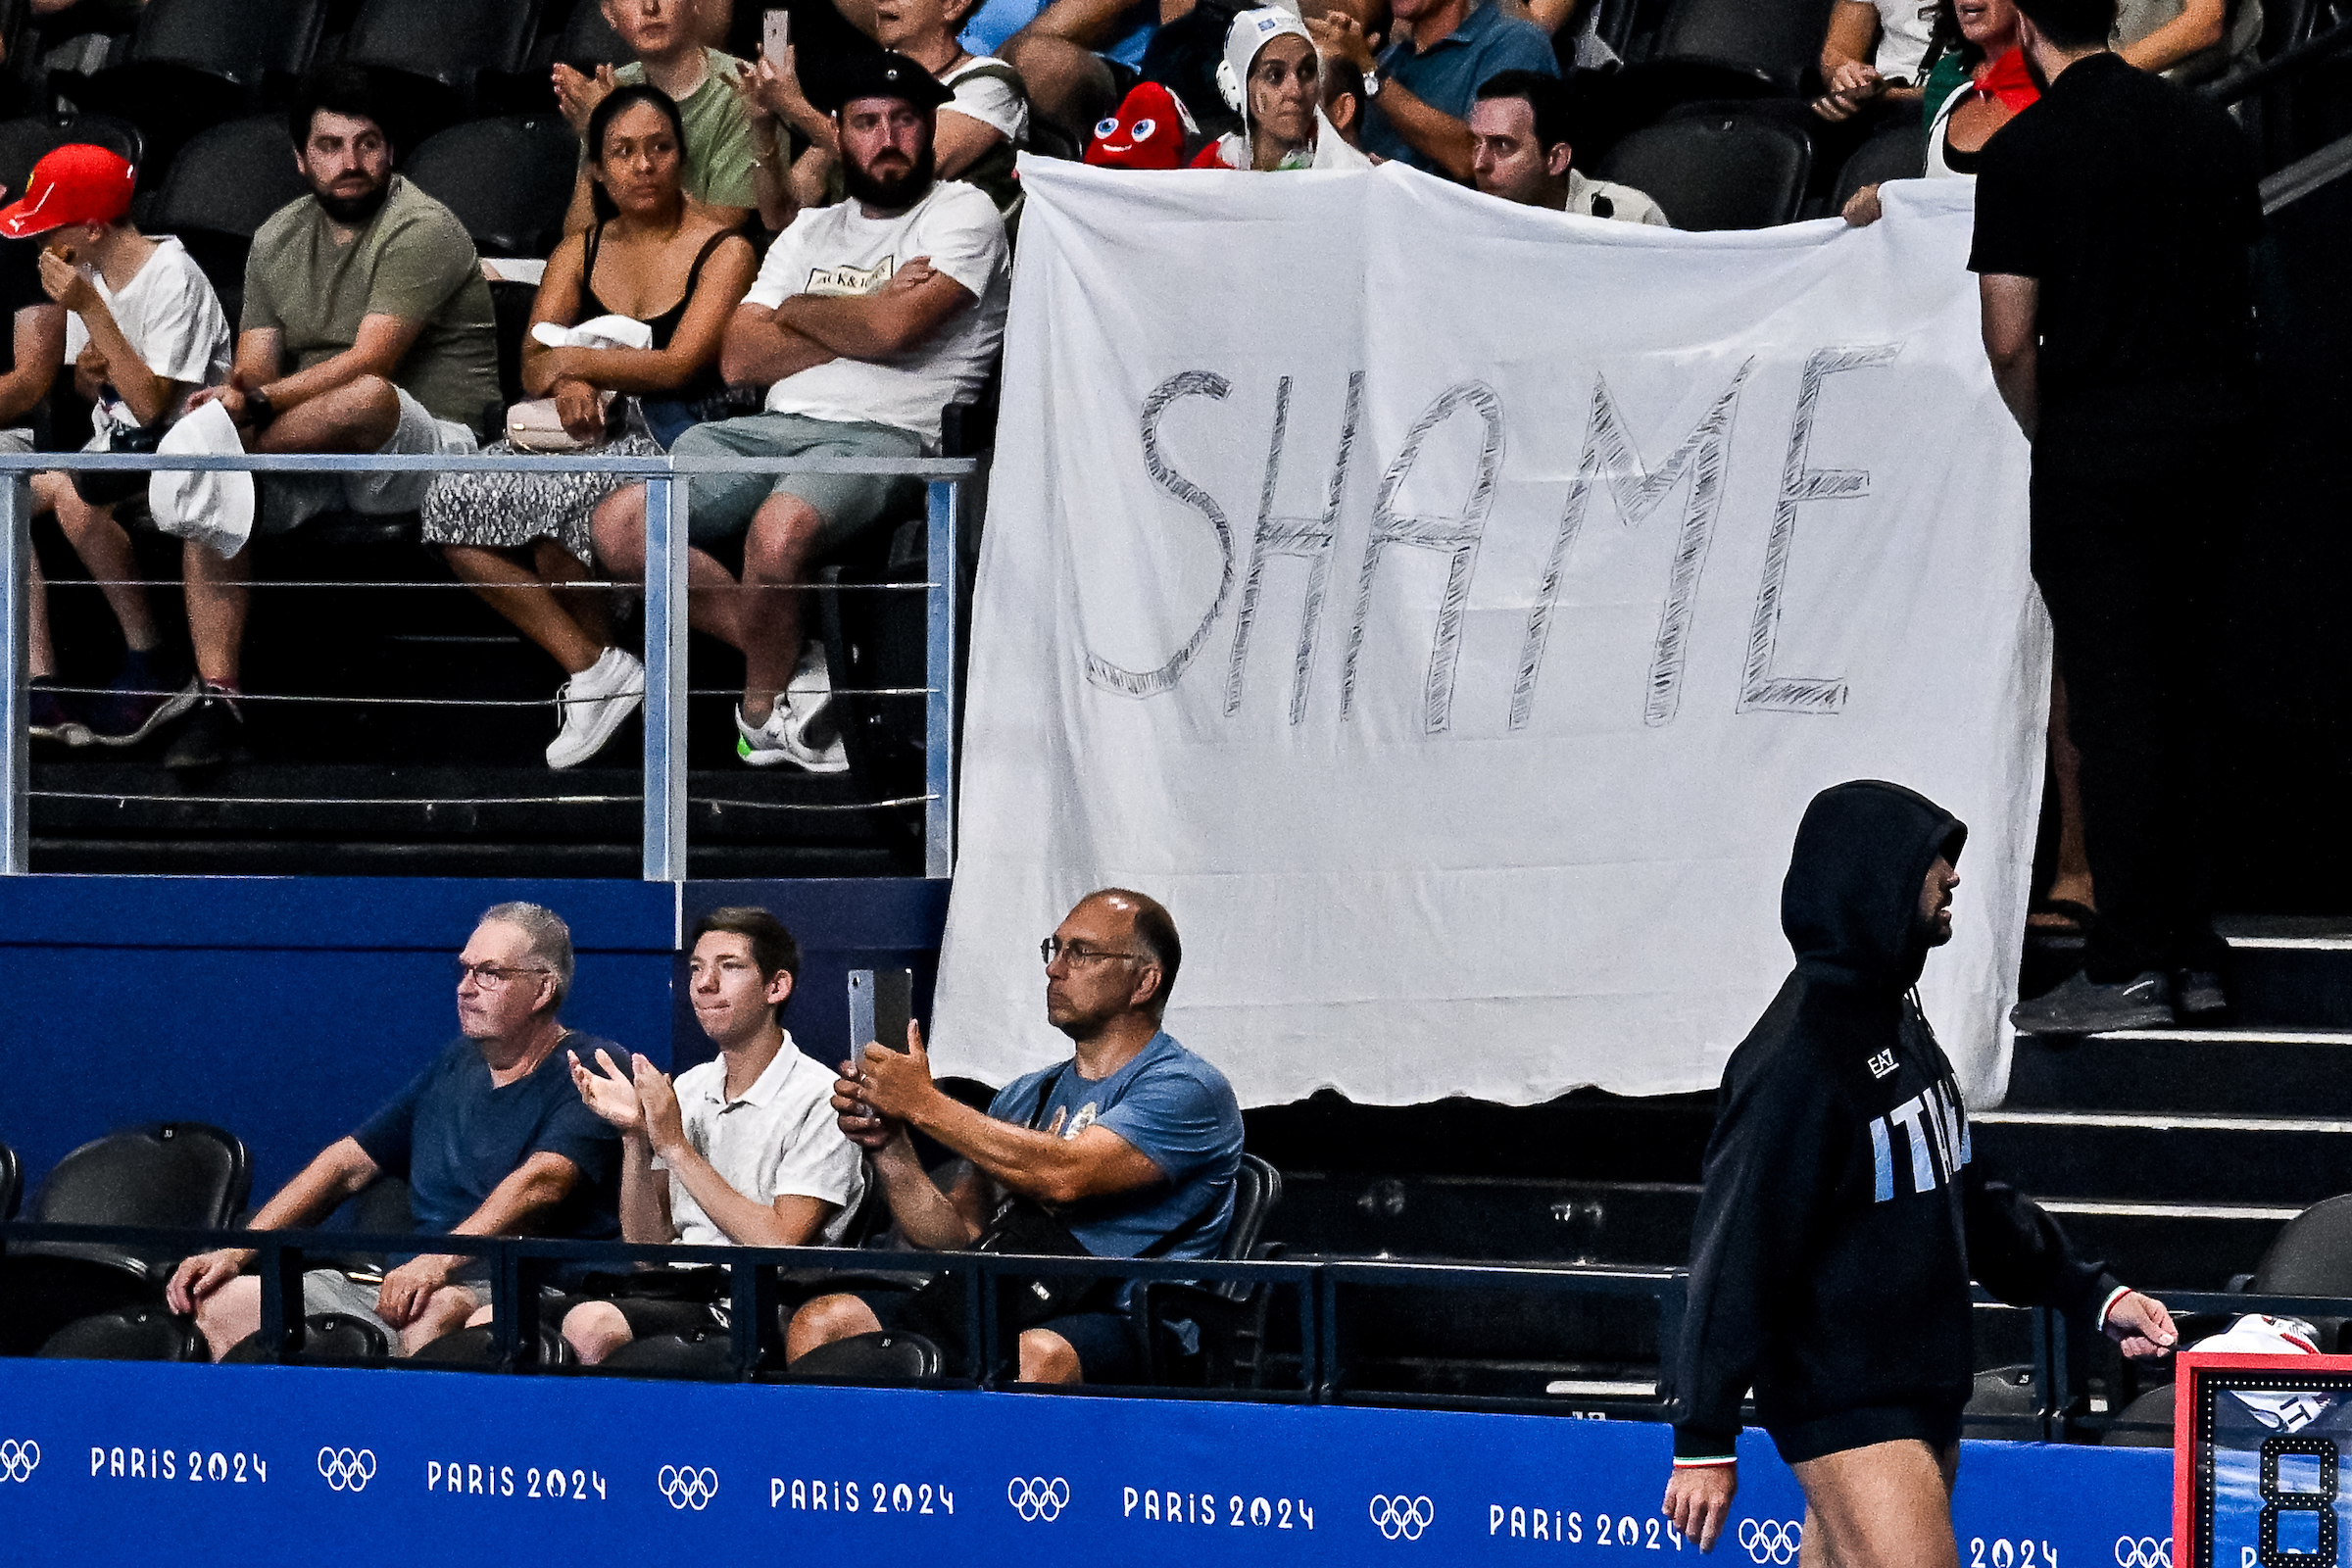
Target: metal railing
x=516, y=1267
x=664, y=794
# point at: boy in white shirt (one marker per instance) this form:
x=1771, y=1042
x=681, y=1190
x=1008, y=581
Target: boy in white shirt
x=742, y=1149
x=144, y=333
x=870, y=317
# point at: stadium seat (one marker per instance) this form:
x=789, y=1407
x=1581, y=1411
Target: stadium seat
x=2312, y=1254
x=1896, y=154
x=1229, y=1317
x=469, y=1349
x=195, y=63
x=25, y=142
x=588, y=40
x=12, y=1182
x=2155, y=1405
x=175, y=1174
x=1772, y=44
x=328, y=1338
x=136, y=1334
x=432, y=55
x=702, y=1354
x=221, y=189
x=508, y=180
x=1719, y=170
x=887, y=1356
x=2005, y=1398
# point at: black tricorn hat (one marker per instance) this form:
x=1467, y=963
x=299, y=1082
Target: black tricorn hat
x=883, y=74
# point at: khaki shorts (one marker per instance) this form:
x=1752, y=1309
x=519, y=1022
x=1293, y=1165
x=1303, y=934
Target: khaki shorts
x=719, y=505
x=290, y=500
x=327, y=1290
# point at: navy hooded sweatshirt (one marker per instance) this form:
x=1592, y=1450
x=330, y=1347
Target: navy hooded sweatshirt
x=1844, y=1213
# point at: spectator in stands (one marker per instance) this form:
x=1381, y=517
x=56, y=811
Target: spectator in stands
x=1873, y=55
x=2188, y=40
x=1271, y=78
x=980, y=132
x=1343, y=98
x=652, y=258
x=144, y=330
x=368, y=328
x=1521, y=122
x=1133, y=1144
x=751, y=1149
x=870, y=317
x=1078, y=58
x=721, y=167
x=490, y=1138
x=1979, y=84
x=1844, y=1212
x=1420, y=89
x=2114, y=227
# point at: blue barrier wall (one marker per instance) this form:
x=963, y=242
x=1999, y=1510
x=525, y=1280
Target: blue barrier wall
x=96, y=1462
x=288, y=1009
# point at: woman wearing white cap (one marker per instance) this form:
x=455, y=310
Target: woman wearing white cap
x=1272, y=77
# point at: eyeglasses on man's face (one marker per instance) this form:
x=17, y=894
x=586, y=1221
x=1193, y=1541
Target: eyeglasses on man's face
x=1077, y=953
x=492, y=976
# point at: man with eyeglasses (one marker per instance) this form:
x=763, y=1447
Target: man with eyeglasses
x=492, y=1138
x=1132, y=1143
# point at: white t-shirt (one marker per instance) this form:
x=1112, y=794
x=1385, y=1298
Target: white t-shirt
x=781, y=1139
x=171, y=317
x=1903, y=27
x=838, y=251
x=989, y=99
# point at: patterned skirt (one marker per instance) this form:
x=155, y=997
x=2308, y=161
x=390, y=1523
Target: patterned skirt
x=508, y=511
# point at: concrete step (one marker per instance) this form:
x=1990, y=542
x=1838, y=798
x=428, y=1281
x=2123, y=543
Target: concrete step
x=2236, y=1070
x=2169, y=1157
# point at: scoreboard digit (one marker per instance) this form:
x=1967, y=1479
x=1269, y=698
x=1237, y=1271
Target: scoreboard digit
x=2259, y=1460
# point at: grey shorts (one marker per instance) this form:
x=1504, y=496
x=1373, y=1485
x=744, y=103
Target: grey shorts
x=719, y=505
x=327, y=1290
x=290, y=500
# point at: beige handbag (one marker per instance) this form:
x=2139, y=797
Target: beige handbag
x=535, y=426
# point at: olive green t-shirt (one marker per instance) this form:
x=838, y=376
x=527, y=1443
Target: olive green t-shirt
x=411, y=260
x=718, y=135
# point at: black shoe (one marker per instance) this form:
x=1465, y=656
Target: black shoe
x=212, y=734
x=2077, y=1005
x=2198, y=994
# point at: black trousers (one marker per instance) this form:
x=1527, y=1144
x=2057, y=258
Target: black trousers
x=2126, y=533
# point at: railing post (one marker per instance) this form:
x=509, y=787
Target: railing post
x=939, y=674
x=16, y=631
x=665, y=680
x=282, y=1284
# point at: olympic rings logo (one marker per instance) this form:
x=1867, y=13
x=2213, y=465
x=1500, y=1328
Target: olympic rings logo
x=1035, y=1498
x=1772, y=1541
x=18, y=1460
x=1402, y=1518
x=687, y=1486
x=2144, y=1551
x=347, y=1469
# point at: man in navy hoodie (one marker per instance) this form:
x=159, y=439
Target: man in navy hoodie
x=1844, y=1213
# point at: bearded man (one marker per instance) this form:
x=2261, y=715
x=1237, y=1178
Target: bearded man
x=870, y=317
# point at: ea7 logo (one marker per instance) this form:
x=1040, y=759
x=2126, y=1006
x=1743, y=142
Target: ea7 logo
x=18, y=1460
x=1881, y=1066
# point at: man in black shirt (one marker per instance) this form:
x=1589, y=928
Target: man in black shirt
x=2113, y=222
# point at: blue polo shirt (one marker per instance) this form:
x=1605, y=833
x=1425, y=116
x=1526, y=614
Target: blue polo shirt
x=993, y=22
x=1447, y=74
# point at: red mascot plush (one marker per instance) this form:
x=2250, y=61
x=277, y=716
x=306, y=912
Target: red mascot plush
x=1147, y=132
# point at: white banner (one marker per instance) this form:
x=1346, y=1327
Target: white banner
x=1447, y=608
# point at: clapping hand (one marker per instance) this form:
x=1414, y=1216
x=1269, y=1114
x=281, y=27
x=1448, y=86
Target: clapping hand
x=611, y=1094
x=579, y=94
x=1342, y=37
x=664, y=1123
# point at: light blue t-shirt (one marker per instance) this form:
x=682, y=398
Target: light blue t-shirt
x=986, y=30
x=1179, y=1113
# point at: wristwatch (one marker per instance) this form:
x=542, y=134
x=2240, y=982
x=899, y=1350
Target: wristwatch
x=259, y=410
x=1372, y=83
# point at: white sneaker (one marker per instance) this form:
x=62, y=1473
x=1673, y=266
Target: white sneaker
x=784, y=739
x=592, y=705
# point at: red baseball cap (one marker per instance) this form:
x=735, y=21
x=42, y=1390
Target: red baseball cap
x=77, y=184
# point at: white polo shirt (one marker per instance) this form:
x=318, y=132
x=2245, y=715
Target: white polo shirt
x=780, y=1139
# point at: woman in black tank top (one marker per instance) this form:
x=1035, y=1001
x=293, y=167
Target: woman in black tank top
x=655, y=258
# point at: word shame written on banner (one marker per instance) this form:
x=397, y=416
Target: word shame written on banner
x=1450, y=607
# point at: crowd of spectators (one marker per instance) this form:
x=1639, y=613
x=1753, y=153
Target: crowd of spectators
x=524, y=1126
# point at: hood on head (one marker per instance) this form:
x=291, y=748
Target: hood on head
x=1251, y=32
x=1850, y=902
